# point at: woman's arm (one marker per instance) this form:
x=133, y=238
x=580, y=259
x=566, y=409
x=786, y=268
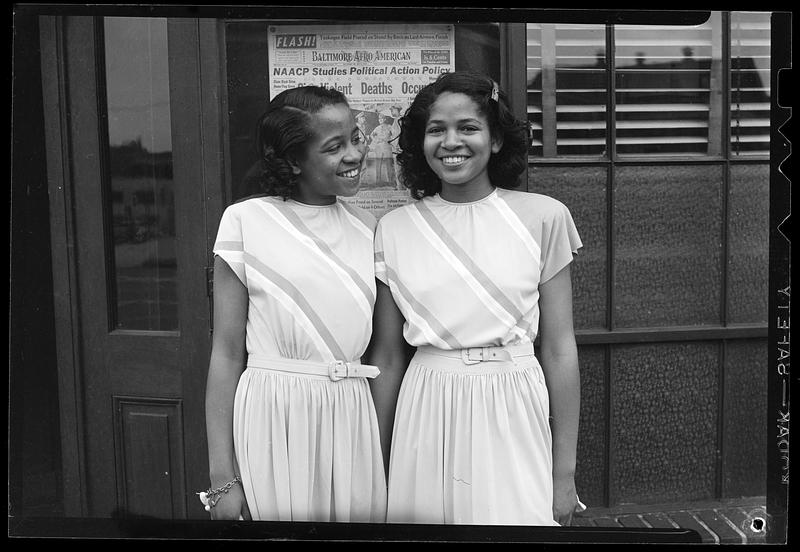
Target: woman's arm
x=388, y=351
x=559, y=356
x=225, y=367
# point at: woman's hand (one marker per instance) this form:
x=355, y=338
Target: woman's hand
x=231, y=505
x=565, y=499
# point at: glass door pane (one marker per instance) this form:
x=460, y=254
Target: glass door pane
x=141, y=199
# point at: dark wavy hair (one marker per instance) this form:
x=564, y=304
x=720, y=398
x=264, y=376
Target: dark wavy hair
x=283, y=132
x=505, y=166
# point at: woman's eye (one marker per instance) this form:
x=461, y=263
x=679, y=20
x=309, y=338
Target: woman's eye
x=434, y=130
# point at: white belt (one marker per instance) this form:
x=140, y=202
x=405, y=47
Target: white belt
x=335, y=370
x=474, y=355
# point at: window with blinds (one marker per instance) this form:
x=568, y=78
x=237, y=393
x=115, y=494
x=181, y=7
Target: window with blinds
x=567, y=89
x=749, y=83
x=649, y=90
x=667, y=89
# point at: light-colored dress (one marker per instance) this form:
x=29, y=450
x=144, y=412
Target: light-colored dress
x=307, y=447
x=472, y=443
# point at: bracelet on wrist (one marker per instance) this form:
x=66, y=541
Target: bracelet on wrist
x=210, y=497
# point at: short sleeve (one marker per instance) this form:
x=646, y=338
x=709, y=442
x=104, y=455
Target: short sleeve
x=560, y=241
x=380, y=258
x=229, y=244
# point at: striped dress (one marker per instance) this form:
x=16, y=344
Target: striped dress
x=307, y=447
x=472, y=444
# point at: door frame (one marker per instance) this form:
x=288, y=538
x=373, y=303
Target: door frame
x=197, y=90
x=196, y=86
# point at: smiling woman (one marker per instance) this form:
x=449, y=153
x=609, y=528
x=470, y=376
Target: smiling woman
x=462, y=115
x=655, y=137
x=475, y=429
x=287, y=434
x=331, y=164
x=458, y=145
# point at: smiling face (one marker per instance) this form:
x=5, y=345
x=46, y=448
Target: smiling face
x=333, y=158
x=458, y=144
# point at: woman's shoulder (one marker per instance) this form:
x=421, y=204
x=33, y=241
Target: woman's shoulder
x=366, y=217
x=532, y=202
x=397, y=216
x=246, y=202
x=249, y=208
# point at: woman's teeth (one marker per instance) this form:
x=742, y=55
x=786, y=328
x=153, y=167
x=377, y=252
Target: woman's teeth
x=454, y=160
x=351, y=173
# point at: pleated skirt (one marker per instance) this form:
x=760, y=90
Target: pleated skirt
x=471, y=444
x=308, y=448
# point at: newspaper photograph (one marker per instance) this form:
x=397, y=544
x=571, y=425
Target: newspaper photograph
x=380, y=68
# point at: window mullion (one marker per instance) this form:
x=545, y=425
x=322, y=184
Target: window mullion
x=549, y=128
x=611, y=151
x=611, y=110
x=716, y=88
x=726, y=84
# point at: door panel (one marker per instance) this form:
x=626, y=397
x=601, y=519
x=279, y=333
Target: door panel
x=149, y=455
x=140, y=250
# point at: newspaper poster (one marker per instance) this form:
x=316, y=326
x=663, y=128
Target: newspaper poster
x=380, y=68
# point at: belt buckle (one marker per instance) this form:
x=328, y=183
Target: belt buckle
x=466, y=355
x=338, y=369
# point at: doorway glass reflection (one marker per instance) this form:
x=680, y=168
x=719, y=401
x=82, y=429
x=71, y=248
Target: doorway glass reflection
x=141, y=199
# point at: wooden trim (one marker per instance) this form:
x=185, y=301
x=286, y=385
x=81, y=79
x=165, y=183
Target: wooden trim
x=611, y=450
x=513, y=73
x=611, y=236
x=549, y=122
x=134, y=485
x=105, y=183
x=63, y=247
x=669, y=334
x=719, y=460
x=725, y=150
x=199, y=176
x=648, y=160
x=611, y=98
x=216, y=148
x=218, y=197
x=717, y=85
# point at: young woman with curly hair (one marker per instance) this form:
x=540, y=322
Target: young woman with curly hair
x=470, y=275
x=292, y=430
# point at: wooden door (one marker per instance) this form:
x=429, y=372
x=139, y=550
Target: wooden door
x=129, y=180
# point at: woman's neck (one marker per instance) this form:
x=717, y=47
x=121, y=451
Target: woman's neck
x=465, y=194
x=312, y=199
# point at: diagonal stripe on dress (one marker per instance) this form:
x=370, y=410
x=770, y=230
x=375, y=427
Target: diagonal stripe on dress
x=296, y=303
x=292, y=223
x=486, y=290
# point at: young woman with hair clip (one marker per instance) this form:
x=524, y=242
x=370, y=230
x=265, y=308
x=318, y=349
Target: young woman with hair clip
x=471, y=274
x=292, y=430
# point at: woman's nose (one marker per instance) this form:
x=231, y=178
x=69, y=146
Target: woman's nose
x=356, y=151
x=451, y=139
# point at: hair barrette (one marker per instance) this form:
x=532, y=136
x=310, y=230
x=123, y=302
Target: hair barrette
x=495, y=91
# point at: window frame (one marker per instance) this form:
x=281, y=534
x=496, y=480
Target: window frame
x=723, y=158
x=719, y=146
x=606, y=341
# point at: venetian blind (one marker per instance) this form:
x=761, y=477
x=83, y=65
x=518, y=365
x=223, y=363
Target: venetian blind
x=567, y=89
x=750, y=83
x=667, y=84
